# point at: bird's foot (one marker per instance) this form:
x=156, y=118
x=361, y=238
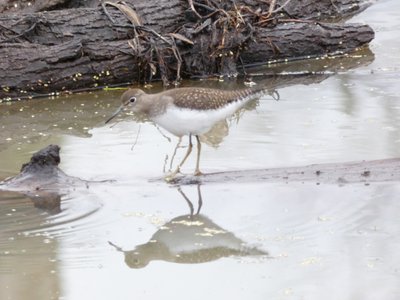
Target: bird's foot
x=171, y=176
x=198, y=173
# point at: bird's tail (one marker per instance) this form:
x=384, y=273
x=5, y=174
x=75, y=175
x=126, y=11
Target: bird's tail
x=253, y=250
x=256, y=92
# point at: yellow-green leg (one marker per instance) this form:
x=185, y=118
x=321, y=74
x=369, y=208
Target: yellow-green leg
x=174, y=153
x=197, y=171
x=178, y=168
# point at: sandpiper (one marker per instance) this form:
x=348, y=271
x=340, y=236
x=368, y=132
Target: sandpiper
x=188, y=111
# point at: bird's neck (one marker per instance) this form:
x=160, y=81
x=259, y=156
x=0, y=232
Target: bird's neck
x=152, y=105
x=153, y=250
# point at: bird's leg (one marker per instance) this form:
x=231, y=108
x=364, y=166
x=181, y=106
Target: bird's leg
x=197, y=171
x=189, y=150
x=187, y=200
x=174, y=153
x=200, y=199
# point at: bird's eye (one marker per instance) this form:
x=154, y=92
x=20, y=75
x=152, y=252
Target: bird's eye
x=132, y=99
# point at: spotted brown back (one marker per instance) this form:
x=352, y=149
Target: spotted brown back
x=206, y=98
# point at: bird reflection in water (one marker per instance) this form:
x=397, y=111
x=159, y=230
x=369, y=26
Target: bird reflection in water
x=188, y=239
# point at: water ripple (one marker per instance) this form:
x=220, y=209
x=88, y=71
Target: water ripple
x=30, y=227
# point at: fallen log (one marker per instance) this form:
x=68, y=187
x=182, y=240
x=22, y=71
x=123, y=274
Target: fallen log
x=317, y=10
x=66, y=50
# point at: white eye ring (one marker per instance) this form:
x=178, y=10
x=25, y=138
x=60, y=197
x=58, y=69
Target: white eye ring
x=132, y=99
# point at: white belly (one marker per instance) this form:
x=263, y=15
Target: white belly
x=183, y=121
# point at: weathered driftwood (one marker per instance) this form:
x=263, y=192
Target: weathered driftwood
x=71, y=49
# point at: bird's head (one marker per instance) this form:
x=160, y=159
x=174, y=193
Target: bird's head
x=130, y=99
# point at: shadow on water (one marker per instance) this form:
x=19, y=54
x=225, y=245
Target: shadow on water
x=188, y=239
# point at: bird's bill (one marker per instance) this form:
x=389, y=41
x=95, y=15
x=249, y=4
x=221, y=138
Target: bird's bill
x=116, y=113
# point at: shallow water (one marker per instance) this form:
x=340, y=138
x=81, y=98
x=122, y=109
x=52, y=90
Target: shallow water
x=136, y=238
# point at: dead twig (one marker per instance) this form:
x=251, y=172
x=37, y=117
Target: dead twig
x=23, y=33
x=193, y=9
x=271, y=8
x=178, y=60
x=136, y=139
x=130, y=13
x=103, y=5
x=281, y=7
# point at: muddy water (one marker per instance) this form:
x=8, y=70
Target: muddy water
x=139, y=237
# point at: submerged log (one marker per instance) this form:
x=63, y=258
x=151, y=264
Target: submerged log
x=42, y=174
x=79, y=48
x=44, y=182
x=364, y=172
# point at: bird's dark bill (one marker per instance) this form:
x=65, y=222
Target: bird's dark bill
x=116, y=113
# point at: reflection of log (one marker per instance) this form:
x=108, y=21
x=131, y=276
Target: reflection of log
x=47, y=201
x=80, y=48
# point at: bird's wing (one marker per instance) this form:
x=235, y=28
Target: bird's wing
x=205, y=98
